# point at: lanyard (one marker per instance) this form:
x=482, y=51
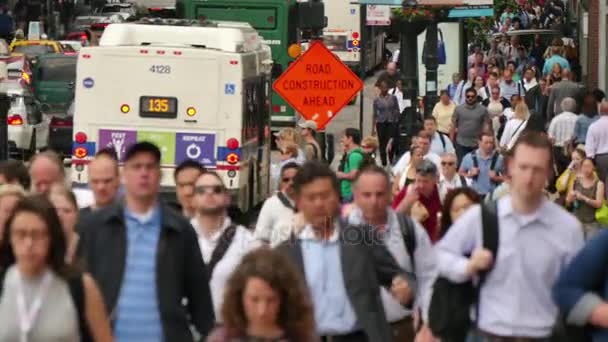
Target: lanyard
x=27, y=317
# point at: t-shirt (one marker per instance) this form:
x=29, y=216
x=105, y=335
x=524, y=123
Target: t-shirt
x=353, y=162
x=469, y=120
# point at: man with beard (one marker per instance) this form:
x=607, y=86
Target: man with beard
x=222, y=242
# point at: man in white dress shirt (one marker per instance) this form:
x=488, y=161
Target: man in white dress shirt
x=372, y=206
x=596, y=144
x=222, y=243
x=561, y=133
x=424, y=141
x=440, y=142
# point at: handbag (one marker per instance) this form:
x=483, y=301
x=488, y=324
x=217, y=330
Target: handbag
x=601, y=215
x=441, y=56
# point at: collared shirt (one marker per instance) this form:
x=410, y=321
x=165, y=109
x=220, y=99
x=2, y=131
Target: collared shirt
x=441, y=144
x=404, y=162
x=482, y=183
x=532, y=251
x=272, y=213
x=334, y=313
x=138, y=315
x=443, y=114
x=508, y=90
x=242, y=243
x=561, y=128
x=425, y=270
x=446, y=185
x=597, y=137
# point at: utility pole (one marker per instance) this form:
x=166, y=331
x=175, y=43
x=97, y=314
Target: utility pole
x=4, y=106
x=431, y=63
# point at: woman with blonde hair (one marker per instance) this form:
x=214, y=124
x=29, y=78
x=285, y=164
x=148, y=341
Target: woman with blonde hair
x=266, y=300
x=290, y=135
x=515, y=126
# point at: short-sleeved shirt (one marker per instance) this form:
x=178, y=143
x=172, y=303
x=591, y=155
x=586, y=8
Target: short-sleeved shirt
x=353, y=162
x=482, y=183
x=469, y=120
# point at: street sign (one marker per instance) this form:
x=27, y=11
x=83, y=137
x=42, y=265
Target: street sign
x=378, y=15
x=318, y=85
x=195, y=146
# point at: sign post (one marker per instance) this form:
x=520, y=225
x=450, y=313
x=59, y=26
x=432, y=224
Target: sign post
x=318, y=85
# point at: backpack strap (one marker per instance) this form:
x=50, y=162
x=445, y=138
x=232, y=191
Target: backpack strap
x=285, y=201
x=463, y=181
x=2, y=275
x=489, y=224
x=409, y=236
x=220, y=250
x=77, y=292
x=493, y=161
x=316, y=149
x=475, y=163
x=442, y=138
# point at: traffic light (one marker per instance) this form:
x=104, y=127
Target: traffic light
x=311, y=18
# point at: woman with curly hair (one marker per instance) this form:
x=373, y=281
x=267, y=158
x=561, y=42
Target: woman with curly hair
x=265, y=301
x=456, y=202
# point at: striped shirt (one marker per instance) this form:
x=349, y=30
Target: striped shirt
x=138, y=315
x=561, y=128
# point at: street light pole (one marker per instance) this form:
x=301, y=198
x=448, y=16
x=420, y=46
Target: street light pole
x=431, y=63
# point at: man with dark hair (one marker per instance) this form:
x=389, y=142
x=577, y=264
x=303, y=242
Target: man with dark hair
x=484, y=165
x=405, y=239
x=14, y=172
x=469, y=120
x=146, y=259
x=336, y=260
x=277, y=212
x=536, y=240
x=351, y=141
x=186, y=173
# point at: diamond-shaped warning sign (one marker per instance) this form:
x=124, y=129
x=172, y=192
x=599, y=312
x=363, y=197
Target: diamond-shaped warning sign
x=318, y=85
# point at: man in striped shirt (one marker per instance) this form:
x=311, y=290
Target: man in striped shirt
x=561, y=133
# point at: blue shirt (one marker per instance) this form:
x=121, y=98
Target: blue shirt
x=334, y=314
x=482, y=183
x=439, y=147
x=582, y=126
x=555, y=59
x=138, y=315
x=532, y=251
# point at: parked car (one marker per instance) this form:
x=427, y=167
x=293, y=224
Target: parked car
x=54, y=77
x=61, y=128
x=28, y=128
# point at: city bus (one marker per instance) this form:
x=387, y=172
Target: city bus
x=275, y=21
x=199, y=92
x=348, y=36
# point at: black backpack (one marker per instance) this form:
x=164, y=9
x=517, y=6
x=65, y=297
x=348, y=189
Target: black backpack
x=76, y=286
x=492, y=162
x=449, y=310
x=408, y=231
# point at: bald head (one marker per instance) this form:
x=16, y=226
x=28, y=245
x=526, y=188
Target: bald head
x=104, y=179
x=391, y=68
x=46, y=170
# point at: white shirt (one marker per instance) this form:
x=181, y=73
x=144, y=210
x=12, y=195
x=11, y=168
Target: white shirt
x=529, y=85
x=597, y=137
x=513, y=129
x=404, y=161
x=437, y=145
x=446, y=185
x=426, y=265
x=273, y=211
x=561, y=128
x=242, y=244
x=399, y=95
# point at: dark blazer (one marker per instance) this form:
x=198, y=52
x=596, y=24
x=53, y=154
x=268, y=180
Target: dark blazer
x=366, y=265
x=180, y=271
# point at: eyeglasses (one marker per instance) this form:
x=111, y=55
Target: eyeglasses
x=214, y=189
x=471, y=96
x=448, y=163
x=35, y=235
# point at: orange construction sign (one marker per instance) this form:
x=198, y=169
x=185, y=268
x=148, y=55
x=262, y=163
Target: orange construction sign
x=318, y=85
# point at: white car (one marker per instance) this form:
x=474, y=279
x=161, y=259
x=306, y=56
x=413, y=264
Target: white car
x=28, y=128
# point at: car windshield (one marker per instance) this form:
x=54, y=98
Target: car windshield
x=33, y=50
x=115, y=9
x=58, y=69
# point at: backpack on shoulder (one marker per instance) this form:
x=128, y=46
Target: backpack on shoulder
x=449, y=310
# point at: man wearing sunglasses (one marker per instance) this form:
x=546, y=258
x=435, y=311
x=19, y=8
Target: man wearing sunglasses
x=222, y=242
x=469, y=120
x=449, y=178
x=278, y=208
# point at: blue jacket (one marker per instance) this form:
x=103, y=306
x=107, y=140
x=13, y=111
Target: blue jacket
x=583, y=285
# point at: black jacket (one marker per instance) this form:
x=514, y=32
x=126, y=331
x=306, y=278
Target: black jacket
x=180, y=271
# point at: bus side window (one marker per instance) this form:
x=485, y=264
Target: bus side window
x=277, y=70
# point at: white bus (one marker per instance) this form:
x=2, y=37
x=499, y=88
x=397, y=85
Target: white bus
x=198, y=92
x=349, y=38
